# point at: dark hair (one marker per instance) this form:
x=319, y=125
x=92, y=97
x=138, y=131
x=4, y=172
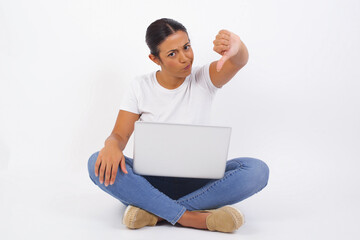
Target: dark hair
x=157, y=32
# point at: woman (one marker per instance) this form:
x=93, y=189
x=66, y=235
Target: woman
x=182, y=94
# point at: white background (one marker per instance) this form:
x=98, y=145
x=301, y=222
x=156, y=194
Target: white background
x=64, y=66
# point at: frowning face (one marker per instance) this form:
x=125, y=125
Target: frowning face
x=175, y=55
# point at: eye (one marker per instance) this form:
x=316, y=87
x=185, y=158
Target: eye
x=171, y=55
x=187, y=47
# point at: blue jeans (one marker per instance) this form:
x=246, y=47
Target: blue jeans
x=170, y=197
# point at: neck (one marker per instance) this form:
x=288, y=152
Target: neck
x=168, y=81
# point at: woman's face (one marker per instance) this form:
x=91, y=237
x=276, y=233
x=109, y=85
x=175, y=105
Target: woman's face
x=176, y=54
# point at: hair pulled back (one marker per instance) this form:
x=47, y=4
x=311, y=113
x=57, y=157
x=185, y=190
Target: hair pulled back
x=159, y=30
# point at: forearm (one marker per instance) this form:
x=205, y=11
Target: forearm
x=241, y=58
x=115, y=140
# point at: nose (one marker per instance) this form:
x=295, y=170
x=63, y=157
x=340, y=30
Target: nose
x=182, y=57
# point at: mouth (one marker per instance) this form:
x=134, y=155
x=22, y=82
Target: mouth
x=187, y=67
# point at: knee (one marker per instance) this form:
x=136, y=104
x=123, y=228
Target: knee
x=260, y=172
x=91, y=164
x=91, y=168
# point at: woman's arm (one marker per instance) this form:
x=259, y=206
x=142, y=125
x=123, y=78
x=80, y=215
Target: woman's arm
x=234, y=57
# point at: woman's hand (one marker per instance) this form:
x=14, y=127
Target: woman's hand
x=226, y=44
x=108, y=160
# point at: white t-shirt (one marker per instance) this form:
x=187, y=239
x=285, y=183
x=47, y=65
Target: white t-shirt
x=190, y=103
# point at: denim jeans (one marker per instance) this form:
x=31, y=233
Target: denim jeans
x=170, y=197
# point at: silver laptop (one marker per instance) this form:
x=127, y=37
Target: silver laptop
x=180, y=150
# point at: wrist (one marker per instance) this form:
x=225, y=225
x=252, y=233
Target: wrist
x=115, y=140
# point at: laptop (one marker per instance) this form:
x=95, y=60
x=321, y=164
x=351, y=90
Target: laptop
x=180, y=150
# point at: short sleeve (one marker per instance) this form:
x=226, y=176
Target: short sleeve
x=129, y=101
x=202, y=76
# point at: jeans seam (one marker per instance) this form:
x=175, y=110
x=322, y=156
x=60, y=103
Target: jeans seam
x=177, y=216
x=214, y=184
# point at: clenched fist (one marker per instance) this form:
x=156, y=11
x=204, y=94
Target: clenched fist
x=226, y=44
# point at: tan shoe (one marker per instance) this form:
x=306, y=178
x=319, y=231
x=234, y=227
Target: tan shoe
x=135, y=218
x=224, y=219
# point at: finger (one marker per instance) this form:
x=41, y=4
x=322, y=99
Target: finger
x=113, y=173
x=123, y=166
x=97, y=164
x=221, y=42
x=221, y=62
x=107, y=175
x=221, y=49
x=222, y=36
x=101, y=174
x=225, y=32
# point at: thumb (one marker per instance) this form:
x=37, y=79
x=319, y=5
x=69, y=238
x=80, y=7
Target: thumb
x=221, y=62
x=123, y=166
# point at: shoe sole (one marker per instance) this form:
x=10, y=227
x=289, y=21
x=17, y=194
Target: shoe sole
x=236, y=215
x=132, y=213
x=128, y=209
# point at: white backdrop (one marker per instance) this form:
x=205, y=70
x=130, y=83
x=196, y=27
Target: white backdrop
x=64, y=66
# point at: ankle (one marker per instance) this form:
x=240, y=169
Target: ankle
x=193, y=219
x=185, y=218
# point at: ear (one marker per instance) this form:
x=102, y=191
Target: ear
x=154, y=59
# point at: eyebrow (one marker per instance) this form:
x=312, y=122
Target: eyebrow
x=176, y=49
